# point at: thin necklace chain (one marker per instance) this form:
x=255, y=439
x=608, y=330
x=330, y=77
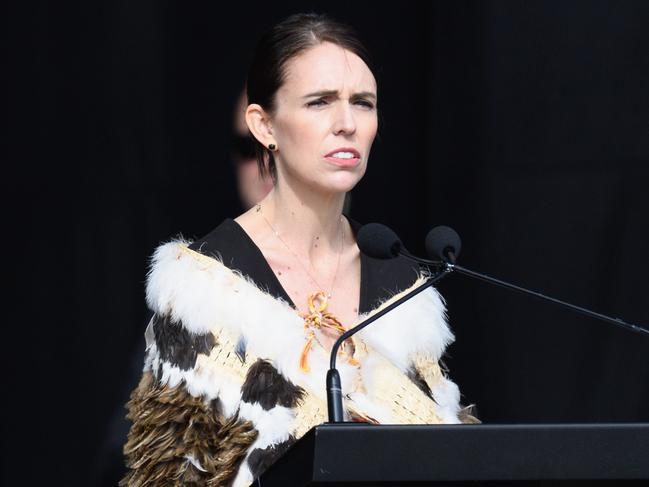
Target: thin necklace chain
x=329, y=295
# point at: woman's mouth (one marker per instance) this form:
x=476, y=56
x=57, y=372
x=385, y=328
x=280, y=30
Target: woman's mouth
x=345, y=162
x=344, y=158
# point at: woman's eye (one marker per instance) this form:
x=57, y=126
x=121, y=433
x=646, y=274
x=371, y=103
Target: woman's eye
x=319, y=102
x=366, y=103
x=315, y=102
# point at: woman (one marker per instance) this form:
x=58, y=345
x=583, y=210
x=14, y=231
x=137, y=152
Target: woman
x=244, y=318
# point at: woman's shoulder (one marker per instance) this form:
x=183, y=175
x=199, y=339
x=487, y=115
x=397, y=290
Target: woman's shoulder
x=185, y=277
x=218, y=240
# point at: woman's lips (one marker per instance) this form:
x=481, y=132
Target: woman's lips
x=344, y=162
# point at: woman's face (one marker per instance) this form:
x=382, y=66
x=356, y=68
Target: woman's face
x=307, y=128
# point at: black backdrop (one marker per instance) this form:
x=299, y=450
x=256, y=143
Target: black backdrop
x=524, y=125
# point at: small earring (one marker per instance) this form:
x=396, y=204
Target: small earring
x=271, y=146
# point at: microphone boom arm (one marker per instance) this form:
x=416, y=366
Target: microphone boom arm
x=449, y=267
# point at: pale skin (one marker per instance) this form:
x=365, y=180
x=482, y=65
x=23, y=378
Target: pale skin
x=305, y=206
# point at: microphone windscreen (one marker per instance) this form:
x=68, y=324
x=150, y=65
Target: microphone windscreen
x=378, y=241
x=440, y=240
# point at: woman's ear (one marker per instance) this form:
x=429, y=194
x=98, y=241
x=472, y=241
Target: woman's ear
x=259, y=124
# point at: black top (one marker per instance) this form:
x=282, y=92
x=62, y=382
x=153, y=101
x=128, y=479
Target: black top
x=380, y=279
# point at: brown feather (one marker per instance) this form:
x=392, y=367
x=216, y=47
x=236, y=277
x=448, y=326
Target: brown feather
x=468, y=415
x=169, y=423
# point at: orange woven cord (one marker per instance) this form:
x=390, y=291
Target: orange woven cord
x=303, y=356
x=318, y=317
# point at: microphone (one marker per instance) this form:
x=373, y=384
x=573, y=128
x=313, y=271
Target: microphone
x=378, y=241
x=444, y=243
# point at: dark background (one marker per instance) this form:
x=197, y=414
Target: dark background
x=524, y=125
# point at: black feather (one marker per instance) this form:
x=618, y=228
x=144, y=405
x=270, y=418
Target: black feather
x=265, y=385
x=262, y=458
x=177, y=345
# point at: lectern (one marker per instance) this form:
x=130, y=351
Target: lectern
x=359, y=454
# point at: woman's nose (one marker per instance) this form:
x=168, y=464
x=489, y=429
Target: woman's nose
x=345, y=121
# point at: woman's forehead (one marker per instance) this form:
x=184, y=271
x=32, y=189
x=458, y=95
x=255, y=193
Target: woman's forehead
x=327, y=67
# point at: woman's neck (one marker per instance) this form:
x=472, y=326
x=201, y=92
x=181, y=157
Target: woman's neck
x=309, y=222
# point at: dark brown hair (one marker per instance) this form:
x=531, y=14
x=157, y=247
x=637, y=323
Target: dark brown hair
x=276, y=47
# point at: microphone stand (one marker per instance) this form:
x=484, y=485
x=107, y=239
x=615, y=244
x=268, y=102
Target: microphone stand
x=334, y=389
x=450, y=266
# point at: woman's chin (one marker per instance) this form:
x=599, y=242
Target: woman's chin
x=339, y=183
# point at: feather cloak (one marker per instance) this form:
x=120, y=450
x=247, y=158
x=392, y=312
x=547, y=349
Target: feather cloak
x=222, y=394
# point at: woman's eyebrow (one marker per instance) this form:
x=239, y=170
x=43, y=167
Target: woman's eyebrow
x=367, y=94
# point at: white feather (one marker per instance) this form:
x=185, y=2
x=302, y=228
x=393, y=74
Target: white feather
x=195, y=462
x=244, y=476
x=273, y=424
x=417, y=326
x=447, y=396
